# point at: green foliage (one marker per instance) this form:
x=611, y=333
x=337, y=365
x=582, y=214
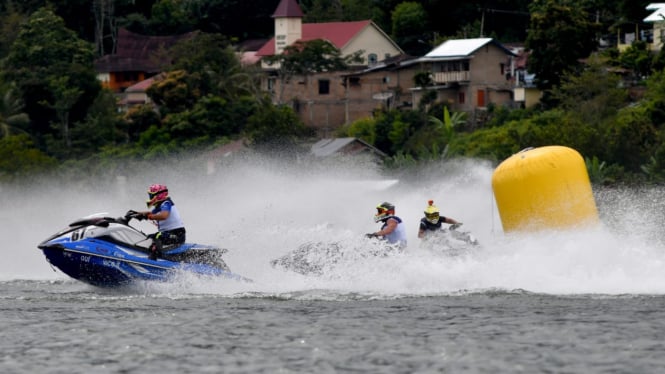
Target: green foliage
x=52, y=70
x=103, y=126
x=409, y=27
x=170, y=17
x=423, y=79
x=560, y=34
x=139, y=119
x=594, y=94
x=176, y=92
x=363, y=128
x=20, y=158
x=10, y=22
x=637, y=58
x=303, y=58
x=274, y=124
x=630, y=138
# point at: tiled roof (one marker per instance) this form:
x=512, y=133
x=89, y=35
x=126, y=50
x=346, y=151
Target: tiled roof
x=134, y=52
x=338, y=33
x=143, y=85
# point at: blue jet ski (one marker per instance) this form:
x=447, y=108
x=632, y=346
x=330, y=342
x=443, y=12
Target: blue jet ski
x=108, y=252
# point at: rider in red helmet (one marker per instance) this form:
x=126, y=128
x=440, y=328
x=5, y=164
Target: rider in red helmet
x=171, y=229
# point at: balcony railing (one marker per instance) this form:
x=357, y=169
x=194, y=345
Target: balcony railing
x=451, y=76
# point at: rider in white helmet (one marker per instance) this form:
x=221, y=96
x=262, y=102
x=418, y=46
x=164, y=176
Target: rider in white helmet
x=392, y=230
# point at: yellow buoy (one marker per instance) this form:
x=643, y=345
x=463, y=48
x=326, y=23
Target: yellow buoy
x=544, y=188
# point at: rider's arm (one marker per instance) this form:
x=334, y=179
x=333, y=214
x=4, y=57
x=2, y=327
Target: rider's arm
x=391, y=225
x=450, y=220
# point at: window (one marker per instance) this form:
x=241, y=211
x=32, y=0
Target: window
x=324, y=86
x=460, y=97
x=372, y=59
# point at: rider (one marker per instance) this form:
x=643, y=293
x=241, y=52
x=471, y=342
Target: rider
x=392, y=230
x=171, y=229
x=432, y=220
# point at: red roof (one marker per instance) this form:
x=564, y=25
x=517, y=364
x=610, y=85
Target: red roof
x=143, y=85
x=338, y=33
x=288, y=8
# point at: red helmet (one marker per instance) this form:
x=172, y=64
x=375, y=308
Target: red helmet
x=156, y=194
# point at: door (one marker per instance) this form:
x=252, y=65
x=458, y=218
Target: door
x=481, y=98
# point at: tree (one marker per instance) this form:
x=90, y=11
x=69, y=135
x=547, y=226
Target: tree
x=170, y=17
x=309, y=57
x=10, y=21
x=64, y=97
x=324, y=11
x=274, y=124
x=214, y=61
x=45, y=61
x=105, y=25
x=12, y=119
x=409, y=28
x=560, y=34
x=19, y=157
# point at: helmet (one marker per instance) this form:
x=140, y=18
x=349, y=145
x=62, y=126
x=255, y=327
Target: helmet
x=383, y=211
x=156, y=194
x=432, y=212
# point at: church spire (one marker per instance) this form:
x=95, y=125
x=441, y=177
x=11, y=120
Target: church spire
x=289, y=9
x=288, y=24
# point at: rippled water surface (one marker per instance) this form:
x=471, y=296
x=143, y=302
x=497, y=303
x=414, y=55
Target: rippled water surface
x=549, y=302
x=64, y=327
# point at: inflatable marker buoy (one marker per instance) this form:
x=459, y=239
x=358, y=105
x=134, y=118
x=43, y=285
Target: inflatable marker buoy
x=542, y=189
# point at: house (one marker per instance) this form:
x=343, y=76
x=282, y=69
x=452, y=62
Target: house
x=330, y=147
x=320, y=100
x=348, y=37
x=469, y=74
x=246, y=51
x=385, y=85
x=138, y=57
x=137, y=94
x=654, y=35
x=525, y=92
x=657, y=19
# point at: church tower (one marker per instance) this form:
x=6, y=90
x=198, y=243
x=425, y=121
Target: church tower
x=288, y=24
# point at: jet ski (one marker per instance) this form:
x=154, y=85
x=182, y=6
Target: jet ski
x=108, y=252
x=450, y=241
x=319, y=258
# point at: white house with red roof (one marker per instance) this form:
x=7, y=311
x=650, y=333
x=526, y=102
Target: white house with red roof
x=348, y=37
x=322, y=100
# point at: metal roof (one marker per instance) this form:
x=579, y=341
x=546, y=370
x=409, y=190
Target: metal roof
x=458, y=47
x=328, y=147
x=658, y=15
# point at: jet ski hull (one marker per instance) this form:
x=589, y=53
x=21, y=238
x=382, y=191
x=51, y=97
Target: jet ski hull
x=105, y=252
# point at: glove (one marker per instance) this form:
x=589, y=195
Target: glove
x=370, y=235
x=455, y=226
x=134, y=214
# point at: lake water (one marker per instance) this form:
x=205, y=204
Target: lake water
x=588, y=301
